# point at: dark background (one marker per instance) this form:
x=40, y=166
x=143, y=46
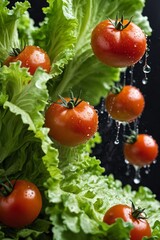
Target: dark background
x=109, y=153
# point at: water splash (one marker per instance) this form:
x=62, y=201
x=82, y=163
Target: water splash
x=128, y=168
x=137, y=177
x=118, y=125
x=102, y=109
x=132, y=74
x=124, y=77
x=146, y=68
x=147, y=169
x=141, y=61
x=145, y=80
x=155, y=161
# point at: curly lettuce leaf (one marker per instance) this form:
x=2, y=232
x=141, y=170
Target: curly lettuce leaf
x=39, y=230
x=24, y=141
x=9, y=37
x=60, y=27
x=77, y=209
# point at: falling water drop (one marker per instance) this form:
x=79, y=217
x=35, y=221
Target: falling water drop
x=147, y=169
x=141, y=61
x=124, y=77
x=155, y=161
x=137, y=177
x=145, y=80
x=118, y=125
x=128, y=168
x=136, y=125
x=146, y=68
x=116, y=141
x=102, y=107
x=131, y=74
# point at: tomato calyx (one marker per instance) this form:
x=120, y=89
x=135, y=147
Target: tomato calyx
x=116, y=89
x=138, y=213
x=73, y=102
x=6, y=188
x=118, y=24
x=132, y=138
x=15, y=52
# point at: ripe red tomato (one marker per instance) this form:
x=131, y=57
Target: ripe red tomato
x=21, y=206
x=71, y=125
x=118, y=43
x=126, y=105
x=31, y=57
x=141, y=226
x=140, y=150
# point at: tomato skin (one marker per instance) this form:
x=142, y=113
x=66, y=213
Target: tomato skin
x=126, y=105
x=31, y=57
x=142, y=152
x=140, y=228
x=22, y=206
x=71, y=127
x=118, y=48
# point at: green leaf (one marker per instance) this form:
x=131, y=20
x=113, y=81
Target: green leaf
x=8, y=26
x=60, y=27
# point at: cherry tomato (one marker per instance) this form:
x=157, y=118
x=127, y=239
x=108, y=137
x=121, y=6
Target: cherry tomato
x=125, y=105
x=141, y=226
x=31, y=57
x=118, y=43
x=69, y=124
x=21, y=206
x=140, y=149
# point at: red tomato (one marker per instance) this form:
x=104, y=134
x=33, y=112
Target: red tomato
x=141, y=226
x=126, y=105
x=71, y=126
x=31, y=57
x=21, y=206
x=143, y=150
x=118, y=43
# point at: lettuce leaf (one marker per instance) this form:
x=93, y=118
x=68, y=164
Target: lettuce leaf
x=60, y=27
x=86, y=194
x=9, y=37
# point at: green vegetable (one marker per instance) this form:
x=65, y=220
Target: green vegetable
x=76, y=193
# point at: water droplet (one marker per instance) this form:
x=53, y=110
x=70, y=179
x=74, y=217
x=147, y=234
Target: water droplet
x=72, y=168
x=116, y=141
x=147, y=169
x=137, y=177
x=155, y=161
x=146, y=68
x=141, y=61
x=124, y=77
x=118, y=124
x=145, y=80
x=102, y=108
x=126, y=161
x=131, y=73
x=128, y=168
x=146, y=55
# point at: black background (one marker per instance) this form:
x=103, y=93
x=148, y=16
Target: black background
x=109, y=153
